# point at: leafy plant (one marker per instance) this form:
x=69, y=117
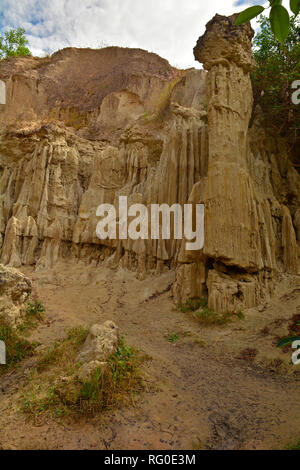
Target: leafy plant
x=14, y=44
x=35, y=309
x=173, y=337
x=290, y=340
x=277, y=67
x=279, y=17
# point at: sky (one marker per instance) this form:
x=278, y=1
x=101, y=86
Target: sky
x=169, y=28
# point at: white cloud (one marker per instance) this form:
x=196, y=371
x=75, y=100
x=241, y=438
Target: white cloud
x=168, y=27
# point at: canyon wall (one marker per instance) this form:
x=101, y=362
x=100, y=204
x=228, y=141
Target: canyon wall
x=83, y=127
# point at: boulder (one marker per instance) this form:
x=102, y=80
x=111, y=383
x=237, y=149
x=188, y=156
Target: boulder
x=101, y=343
x=14, y=290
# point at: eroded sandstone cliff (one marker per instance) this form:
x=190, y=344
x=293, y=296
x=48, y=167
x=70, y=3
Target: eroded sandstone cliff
x=84, y=127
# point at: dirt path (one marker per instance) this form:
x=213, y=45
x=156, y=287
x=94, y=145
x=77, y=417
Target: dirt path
x=207, y=395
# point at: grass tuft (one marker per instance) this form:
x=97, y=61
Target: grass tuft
x=64, y=351
x=207, y=316
x=173, y=337
x=295, y=446
x=192, y=305
x=56, y=390
x=35, y=313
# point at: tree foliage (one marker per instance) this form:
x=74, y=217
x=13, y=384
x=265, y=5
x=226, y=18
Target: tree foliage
x=279, y=17
x=13, y=43
x=277, y=67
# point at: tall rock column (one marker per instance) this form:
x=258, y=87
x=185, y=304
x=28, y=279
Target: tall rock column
x=231, y=228
x=232, y=247
x=249, y=233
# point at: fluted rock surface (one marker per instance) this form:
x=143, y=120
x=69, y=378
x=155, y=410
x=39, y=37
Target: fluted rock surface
x=53, y=179
x=84, y=127
x=249, y=232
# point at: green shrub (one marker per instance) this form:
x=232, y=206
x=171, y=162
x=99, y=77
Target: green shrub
x=173, y=337
x=277, y=67
x=13, y=43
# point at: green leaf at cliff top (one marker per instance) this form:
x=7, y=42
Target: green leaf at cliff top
x=287, y=341
x=295, y=6
x=280, y=22
x=248, y=14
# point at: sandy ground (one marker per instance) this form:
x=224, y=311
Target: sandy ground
x=207, y=390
